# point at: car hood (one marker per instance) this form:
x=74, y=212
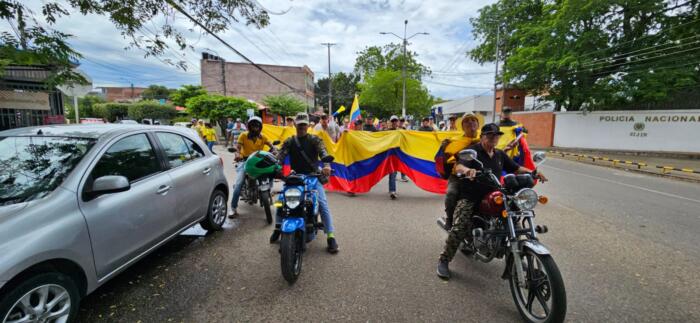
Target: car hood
x=8, y=210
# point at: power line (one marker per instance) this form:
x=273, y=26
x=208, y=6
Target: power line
x=648, y=58
x=455, y=85
x=254, y=44
x=613, y=58
x=178, y=8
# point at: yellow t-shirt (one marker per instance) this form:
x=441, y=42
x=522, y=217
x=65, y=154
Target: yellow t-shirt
x=209, y=134
x=248, y=146
x=457, y=144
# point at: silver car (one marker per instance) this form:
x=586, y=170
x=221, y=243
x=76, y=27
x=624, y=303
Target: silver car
x=79, y=204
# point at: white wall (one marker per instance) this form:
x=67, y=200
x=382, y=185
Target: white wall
x=658, y=130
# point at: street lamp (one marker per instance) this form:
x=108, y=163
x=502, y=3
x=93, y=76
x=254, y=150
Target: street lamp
x=403, y=70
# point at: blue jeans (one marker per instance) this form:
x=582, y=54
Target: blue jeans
x=322, y=207
x=238, y=185
x=392, y=182
x=210, y=144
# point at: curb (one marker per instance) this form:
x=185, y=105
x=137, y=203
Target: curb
x=666, y=171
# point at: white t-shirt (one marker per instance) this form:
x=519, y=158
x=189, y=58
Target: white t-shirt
x=333, y=130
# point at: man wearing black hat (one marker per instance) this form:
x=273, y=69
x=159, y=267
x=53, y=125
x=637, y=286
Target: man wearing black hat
x=471, y=193
x=506, y=118
x=425, y=125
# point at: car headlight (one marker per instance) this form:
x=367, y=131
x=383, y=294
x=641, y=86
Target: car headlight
x=525, y=199
x=292, y=197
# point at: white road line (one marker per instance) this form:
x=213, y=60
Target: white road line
x=624, y=184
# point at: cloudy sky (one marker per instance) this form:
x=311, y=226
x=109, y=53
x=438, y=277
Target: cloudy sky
x=294, y=37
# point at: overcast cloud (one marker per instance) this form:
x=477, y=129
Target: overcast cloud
x=295, y=38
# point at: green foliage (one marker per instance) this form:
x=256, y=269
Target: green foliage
x=593, y=54
x=179, y=97
x=156, y=92
x=382, y=93
x=112, y=111
x=344, y=89
x=284, y=105
x=34, y=44
x=86, y=106
x=149, y=109
x=375, y=58
x=218, y=107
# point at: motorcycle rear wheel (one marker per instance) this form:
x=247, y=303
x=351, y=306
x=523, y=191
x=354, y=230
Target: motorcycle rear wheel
x=543, y=300
x=291, y=256
x=265, y=200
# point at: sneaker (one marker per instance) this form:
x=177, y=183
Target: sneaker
x=332, y=246
x=232, y=213
x=275, y=236
x=443, y=269
x=404, y=179
x=393, y=195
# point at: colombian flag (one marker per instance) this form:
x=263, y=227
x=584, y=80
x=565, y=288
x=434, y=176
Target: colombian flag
x=355, y=113
x=521, y=153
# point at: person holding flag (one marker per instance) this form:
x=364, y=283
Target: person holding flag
x=355, y=113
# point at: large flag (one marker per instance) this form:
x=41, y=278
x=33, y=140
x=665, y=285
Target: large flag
x=355, y=113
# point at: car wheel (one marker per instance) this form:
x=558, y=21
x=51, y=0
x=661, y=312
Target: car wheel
x=46, y=297
x=216, y=212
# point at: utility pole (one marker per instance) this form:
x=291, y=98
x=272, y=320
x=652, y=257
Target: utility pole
x=330, y=80
x=403, y=70
x=495, y=76
x=223, y=73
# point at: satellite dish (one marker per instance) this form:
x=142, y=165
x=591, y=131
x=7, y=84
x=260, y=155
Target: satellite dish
x=77, y=90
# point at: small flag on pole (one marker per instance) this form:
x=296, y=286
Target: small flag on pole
x=355, y=113
x=340, y=110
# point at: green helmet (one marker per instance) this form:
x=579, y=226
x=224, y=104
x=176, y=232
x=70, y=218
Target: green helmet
x=261, y=163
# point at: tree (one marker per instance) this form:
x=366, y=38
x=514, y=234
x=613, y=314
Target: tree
x=179, y=97
x=86, y=107
x=149, y=109
x=156, y=92
x=34, y=44
x=593, y=54
x=218, y=107
x=375, y=58
x=344, y=89
x=112, y=111
x=284, y=105
x=381, y=95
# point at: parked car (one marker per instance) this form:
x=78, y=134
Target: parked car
x=182, y=124
x=81, y=203
x=127, y=121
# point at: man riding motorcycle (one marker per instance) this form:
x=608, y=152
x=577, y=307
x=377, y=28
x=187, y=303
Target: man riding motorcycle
x=472, y=192
x=248, y=143
x=304, y=151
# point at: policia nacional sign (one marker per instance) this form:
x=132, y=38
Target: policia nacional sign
x=639, y=122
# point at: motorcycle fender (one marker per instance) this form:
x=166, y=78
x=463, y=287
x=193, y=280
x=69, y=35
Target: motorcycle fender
x=290, y=225
x=535, y=246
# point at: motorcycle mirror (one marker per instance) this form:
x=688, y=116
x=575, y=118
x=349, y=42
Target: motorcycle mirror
x=467, y=155
x=539, y=157
x=276, y=142
x=327, y=159
x=232, y=149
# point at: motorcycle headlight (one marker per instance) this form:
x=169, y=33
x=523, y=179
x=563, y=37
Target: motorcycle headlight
x=525, y=199
x=292, y=197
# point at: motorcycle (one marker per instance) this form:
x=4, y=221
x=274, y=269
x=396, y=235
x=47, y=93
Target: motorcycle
x=257, y=190
x=505, y=228
x=299, y=209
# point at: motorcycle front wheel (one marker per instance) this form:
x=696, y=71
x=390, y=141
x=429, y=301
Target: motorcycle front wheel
x=265, y=200
x=291, y=253
x=543, y=298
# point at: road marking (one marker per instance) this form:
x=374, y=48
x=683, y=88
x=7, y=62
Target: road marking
x=624, y=184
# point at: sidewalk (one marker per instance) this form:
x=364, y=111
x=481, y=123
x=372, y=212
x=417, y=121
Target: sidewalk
x=677, y=166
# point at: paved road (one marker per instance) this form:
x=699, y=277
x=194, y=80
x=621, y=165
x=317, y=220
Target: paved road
x=627, y=246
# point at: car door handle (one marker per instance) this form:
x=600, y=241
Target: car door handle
x=163, y=189
x=206, y=171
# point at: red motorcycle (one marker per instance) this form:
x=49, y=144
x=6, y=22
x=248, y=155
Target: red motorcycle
x=505, y=228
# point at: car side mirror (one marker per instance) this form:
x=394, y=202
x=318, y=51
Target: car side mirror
x=276, y=142
x=467, y=155
x=539, y=157
x=110, y=184
x=232, y=149
x=327, y=159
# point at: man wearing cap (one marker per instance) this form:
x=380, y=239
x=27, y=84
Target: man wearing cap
x=329, y=126
x=452, y=146
x=471, y=192
x=425, y=125
x=393, y=125
x=402, y=123
x=313, y=150
x=369, y=125
x=452, y=126
x=289, y=122
x=507, y=121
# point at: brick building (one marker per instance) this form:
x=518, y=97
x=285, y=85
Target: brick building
x=245, y=80
x=120, y=94
x=25, y=100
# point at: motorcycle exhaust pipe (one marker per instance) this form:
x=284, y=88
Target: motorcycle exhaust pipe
x=441, y=223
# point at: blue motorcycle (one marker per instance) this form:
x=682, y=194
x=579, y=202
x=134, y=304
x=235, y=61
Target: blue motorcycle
x=299, y=209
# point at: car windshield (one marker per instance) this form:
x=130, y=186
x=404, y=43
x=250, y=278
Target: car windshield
x=32, y=167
